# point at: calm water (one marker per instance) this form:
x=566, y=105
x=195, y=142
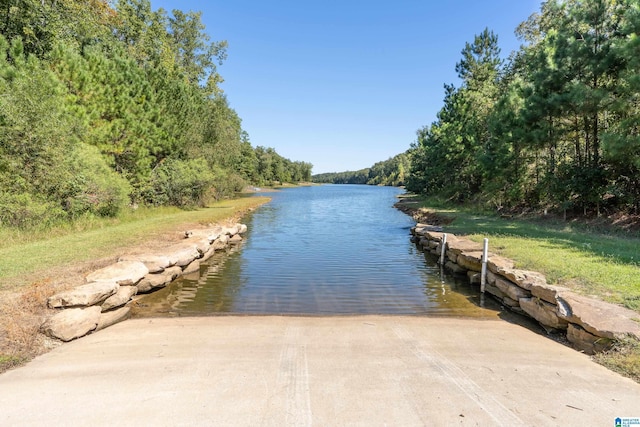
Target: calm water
x=333, y=249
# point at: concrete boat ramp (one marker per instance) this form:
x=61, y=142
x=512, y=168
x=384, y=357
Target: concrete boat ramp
x=324, y=371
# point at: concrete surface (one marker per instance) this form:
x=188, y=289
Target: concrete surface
x=324, y=371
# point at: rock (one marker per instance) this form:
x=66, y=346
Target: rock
x=154, y=281
x=154, y=263
x=474, y=278
x=599, y=318
x=524, y=279
x=432, y=244
x=231, y=231
x=208, y=254
x=547, y=292
x=112, y=317
x=173, y=273
x=511, y=303
x=220, y=243
x=493, y=290
x=434, y=235
x=543, y=312
x=512, y=290
x=491, y=277
x=458, y=246
x=242, y=228
x=586, y=342
x=210, y=234
x=120, y=298
x=202, y=246
x=454, y=268
x=72, y=323
x=424, y=242
x=182, y=254
x=450, y=255
x=470, y=260
x=125, y=273
x=424, y=229
x=194, y=267
x=235, y=239
x=84, y=296
x=496, y=264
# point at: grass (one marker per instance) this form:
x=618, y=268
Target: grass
x=595, y=263
x=603, y=263
x=31, y=261
x=23, y=254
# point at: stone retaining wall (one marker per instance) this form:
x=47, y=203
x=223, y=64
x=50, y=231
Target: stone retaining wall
x=589, y=324
x=104, y=300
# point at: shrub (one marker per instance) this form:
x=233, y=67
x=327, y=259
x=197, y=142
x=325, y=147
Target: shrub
x=182, y=183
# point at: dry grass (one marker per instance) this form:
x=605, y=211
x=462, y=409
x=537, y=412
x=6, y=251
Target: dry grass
x=21, y=317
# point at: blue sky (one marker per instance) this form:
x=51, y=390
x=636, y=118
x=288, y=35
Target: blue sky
x=344, y=84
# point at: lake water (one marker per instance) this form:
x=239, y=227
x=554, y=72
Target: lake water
x=322, y=250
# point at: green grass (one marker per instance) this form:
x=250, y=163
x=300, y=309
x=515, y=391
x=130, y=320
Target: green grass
x=601, y=264
x=24, y=254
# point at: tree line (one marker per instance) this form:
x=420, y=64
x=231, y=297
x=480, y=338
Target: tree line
x=107, y=103
x=391, y=172
x=556, y=125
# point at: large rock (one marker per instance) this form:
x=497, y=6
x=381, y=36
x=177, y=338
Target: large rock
x=194, y=267
x=72, y=323
x=471, y=260
x=543, y=312
x=496, y=264
x=458, y=246
x=84, y=296
x=202, y=245
x=235, y=239
x=586, y=342
x=154, y=263
x=546, y=292
x=454, y=268
x=208, y=254
x=124, y=273
x=231, y=231
x=155, y=281
x=112, y=317
x=210, y=234
x=524, y=279
x=242, y=228
x=493, y=290
x=182, y=254
x=120, y=298
x=435, y=235
x=599, y=318
x=220, y=243
x=512, y=290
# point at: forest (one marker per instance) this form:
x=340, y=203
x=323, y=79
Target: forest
x=555, y=126
x=107, y=104
x=390, y=172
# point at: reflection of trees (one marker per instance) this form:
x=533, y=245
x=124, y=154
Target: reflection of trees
x=211, y=291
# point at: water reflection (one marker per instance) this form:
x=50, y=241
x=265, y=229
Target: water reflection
x=322, y=250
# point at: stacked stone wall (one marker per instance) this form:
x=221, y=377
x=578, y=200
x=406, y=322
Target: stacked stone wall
x=105, y=299
x=589, y=324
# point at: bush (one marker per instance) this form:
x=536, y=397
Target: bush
x=182, y=183
x=27, y=211
x=94, y=188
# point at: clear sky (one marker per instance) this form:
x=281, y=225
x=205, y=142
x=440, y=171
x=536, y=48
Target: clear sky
x=343, y=84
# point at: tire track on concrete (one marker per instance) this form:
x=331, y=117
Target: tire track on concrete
x=452, y=373
x=293, y=379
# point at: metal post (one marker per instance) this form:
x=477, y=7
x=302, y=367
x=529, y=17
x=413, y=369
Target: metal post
x=443, y=248
x=483, y=274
